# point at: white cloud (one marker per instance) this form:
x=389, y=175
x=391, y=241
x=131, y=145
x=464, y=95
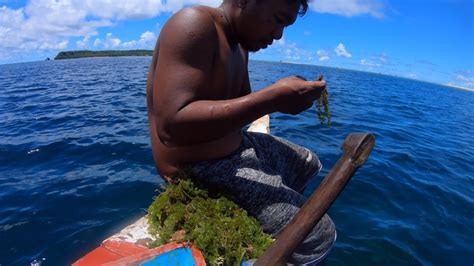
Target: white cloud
x=280, y=42
x=147, y=38
x=323, y=55
x=294, y=53
x=349, y=8
x=117, y=10
x=61, y=45
x=130, y=45
x=289, y=51
x=111, y=42
x=369, y=63
x=466, y=79
x=341, y=51
x=375, y=61
x=147, y=41
x=97, y=43
x=42, y=28
x=83, y=44
x=48, y=25
x=378, y=61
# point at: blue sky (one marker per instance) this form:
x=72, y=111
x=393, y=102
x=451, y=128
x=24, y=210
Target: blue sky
x=430, y=40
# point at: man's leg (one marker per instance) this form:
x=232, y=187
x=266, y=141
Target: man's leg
x=248, y=179
x=296, y=164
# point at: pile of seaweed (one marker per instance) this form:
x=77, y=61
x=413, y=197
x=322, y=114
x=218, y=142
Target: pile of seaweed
x=225, y=234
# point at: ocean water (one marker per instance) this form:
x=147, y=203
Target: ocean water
x=76, y=162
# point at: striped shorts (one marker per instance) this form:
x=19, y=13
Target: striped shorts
x=266, y=176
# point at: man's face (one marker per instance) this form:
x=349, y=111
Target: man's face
x=262, y=21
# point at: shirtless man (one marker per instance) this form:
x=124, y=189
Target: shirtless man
x=199, y=99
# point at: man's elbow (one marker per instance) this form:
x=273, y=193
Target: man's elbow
x=168, y=135
x=167, y=140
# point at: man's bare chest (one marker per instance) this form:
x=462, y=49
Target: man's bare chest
x=230, y=74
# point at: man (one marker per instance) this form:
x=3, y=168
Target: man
x=199, y=99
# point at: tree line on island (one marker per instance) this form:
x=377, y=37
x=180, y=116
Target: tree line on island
x=106, y=53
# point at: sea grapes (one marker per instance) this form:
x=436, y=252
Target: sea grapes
x=323, y=106
x=224, y=232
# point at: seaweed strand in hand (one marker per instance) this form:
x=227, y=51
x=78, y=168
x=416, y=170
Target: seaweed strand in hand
x=324, y=113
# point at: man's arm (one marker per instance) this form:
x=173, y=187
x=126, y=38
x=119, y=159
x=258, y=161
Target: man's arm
x=184, y=114
x=188, y=44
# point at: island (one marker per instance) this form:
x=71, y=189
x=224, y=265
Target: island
x=105, y=53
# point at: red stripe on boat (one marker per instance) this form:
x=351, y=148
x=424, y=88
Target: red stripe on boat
x=113, y=252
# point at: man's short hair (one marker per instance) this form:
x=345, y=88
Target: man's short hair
x=303, y=7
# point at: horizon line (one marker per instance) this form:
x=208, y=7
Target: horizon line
x=448, y=85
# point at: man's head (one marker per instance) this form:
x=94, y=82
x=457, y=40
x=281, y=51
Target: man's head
x=258, y=22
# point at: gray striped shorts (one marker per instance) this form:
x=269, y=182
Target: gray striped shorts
x=266, y=177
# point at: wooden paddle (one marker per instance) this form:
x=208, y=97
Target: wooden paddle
x=356, y=148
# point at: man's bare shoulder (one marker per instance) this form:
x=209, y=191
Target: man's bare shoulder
x=191, y=26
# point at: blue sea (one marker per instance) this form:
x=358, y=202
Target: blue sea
x=76, y=162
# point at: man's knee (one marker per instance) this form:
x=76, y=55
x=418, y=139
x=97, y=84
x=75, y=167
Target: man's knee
x=317, y=245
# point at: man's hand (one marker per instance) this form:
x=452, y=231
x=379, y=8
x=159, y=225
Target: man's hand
x=294, y=94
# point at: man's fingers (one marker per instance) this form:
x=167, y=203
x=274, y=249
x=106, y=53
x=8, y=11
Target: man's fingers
x=317, y=87
x=318, y=84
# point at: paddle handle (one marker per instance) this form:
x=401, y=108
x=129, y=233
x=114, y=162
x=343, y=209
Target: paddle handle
x=357, y=148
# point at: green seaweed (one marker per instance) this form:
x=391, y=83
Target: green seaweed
x=223, y=231
x=322, y=104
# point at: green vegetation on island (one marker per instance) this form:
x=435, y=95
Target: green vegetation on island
x=106, y=53
x=218, y=227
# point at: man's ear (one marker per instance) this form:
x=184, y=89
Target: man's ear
x=242, y=3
